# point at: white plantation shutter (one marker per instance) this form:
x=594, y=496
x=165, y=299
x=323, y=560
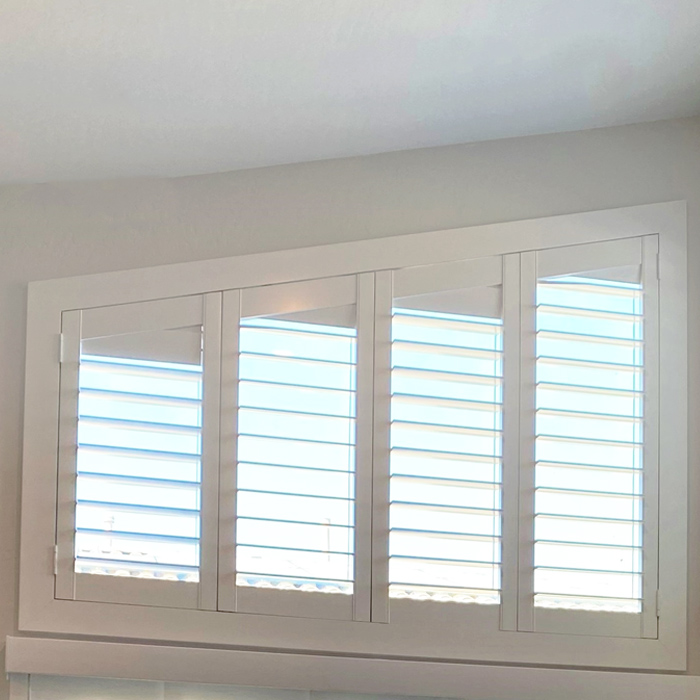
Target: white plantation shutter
x=297, y=390
x=465, y=447
x=132, y=458
x=445, y=461
x=458, y=446
x=594, y=541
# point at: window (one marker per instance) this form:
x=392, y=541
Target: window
x=291, y=393
x=446, y=419
x=419, y=447
x=296, y=462
x=589, y=427
x=596, y=410
x=138, y=468
x=131, y=462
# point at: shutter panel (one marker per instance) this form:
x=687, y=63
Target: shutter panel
x=446, y=419
x=594, y=479
x=297, y=392
x=134, y=453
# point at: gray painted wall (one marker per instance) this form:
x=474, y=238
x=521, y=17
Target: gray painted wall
x=59, y=230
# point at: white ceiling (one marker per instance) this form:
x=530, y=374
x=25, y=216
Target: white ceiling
x=119, y=88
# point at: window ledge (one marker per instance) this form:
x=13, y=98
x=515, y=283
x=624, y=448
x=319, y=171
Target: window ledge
x=332, y=673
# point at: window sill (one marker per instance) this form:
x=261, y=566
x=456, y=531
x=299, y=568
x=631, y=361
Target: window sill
x=329, y=673
x=468, y=634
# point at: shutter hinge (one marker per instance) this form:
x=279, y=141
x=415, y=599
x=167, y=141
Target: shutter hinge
x=658, y=604
x=60, y=347
x=658, y=267
x=55, y=560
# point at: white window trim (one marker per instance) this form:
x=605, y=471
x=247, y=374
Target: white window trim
x=41, y=612
x=27, y=658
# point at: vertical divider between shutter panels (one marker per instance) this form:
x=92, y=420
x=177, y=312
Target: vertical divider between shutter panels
x=383, y=301
x=71, y=323
x=526, y=517
x=650, y=566
x=362, y=592
x=511, y=442
x=209, y=507
x=228, y=448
